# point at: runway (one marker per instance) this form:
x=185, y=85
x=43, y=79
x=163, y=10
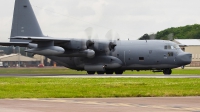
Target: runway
x=99, y=76
x=159, y=104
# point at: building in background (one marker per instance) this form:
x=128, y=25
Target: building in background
x=43, y=60
x=1, y=52
x=18, y=60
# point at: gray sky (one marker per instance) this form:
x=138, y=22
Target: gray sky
x=130, y=18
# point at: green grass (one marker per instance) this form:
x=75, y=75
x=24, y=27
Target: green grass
x=66, y=71
x=174, y=72
x=97, y=87
x=39, y=71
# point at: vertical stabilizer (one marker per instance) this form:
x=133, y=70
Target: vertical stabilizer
x=24, y=21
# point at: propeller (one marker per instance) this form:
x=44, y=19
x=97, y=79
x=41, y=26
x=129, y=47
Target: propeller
x=170, y=37
x=152, y=36
x=112, y=38
x=90, y=37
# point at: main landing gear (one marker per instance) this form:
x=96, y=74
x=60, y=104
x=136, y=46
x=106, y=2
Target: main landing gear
x=118, y=72
x=167, y=71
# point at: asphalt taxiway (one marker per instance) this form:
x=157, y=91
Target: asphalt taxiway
x=158, y=104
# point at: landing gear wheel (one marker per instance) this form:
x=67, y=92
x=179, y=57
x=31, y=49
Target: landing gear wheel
x=100, y=72
x=119, y=72
x=91, y=72
x=109, y=72
x=167, y=71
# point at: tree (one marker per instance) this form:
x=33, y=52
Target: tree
x=145, y=37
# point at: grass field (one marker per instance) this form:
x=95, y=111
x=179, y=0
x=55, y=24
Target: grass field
x=66, y=71
x=13, y=87
x=97, y=88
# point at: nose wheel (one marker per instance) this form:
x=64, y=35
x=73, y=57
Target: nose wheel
x=167, y=71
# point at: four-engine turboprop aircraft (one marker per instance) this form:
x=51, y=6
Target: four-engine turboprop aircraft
x=92, y=55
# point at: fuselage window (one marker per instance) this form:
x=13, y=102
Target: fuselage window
x=141, y=58
x=170, y=54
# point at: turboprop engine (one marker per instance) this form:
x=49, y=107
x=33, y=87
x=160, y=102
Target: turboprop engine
x=59, y=51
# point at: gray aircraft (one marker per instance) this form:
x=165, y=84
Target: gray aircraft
x=94, y=55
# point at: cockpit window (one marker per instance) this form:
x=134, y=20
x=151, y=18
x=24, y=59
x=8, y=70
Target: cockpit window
x=165, y=47
x=171, y=47
x=168, y=47
x=177, y=46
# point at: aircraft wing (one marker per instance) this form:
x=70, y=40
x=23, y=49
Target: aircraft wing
x=39, y=39
x=21, y=44
x=57, y=41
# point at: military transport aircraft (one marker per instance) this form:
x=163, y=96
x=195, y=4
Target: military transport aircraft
x=94, y=55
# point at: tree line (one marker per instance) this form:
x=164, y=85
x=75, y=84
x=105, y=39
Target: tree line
x=183, y=32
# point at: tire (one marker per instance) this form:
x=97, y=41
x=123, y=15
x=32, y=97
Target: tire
x=167, y=71
x=100, y=72
x=91, y=72
x=109, y=72
x=119, y=72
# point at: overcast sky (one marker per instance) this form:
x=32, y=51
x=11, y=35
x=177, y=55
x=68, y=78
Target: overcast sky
x=130, y=18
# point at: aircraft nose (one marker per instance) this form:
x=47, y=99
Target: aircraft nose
x=184, y=58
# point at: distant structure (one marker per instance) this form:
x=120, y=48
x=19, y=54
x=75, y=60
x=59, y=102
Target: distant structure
x=192, y=46
x=18, y=60
x=1, y=52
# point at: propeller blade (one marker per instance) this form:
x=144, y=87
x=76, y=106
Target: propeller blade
x=112, y=37
x=89, y=33
x=152, y=36
x=170, y=37
x=91, y=38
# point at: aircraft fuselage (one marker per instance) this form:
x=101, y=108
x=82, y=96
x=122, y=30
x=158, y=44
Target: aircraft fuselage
x=132, y=55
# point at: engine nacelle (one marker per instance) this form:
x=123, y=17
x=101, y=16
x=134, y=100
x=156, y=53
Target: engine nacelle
x=76, y=44
x=79, y=53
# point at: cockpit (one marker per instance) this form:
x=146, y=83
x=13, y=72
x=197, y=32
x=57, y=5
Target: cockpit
x=171, y=46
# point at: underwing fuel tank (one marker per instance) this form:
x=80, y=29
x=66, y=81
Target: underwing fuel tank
x=51, y=50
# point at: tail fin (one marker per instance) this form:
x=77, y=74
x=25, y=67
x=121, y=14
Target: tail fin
x=24, y=21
